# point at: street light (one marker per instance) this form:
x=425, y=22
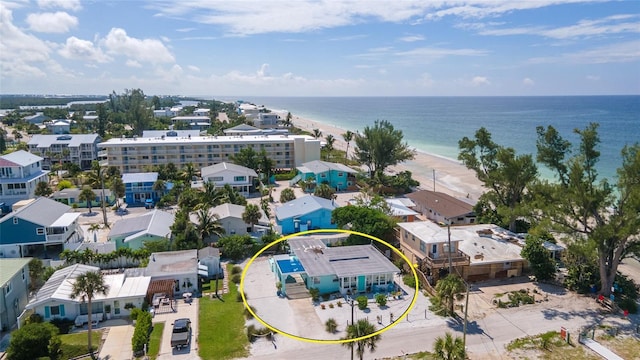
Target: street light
x=351, y=302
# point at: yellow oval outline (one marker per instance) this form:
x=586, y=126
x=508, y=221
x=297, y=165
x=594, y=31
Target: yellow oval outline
x=327, y=341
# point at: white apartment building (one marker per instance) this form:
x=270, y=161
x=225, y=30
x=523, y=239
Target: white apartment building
x=80, y=149
x=20, y=172
x=137, y=154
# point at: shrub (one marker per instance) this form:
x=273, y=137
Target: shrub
x=381, y=299
x=135, y=313
x=331, y=306
x=339, y=303
x=236, y=278
x=409, y=280
x=362, y=302
x=315, y=294
x=247, y=314
x=322, y=306
x=239, y=297
x=331, y=326
x=236, y=270
x=129, y=306
x=64, y=325
x=628, y=304
x=141, y=332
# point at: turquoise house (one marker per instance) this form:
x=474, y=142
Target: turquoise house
x=347, y=270
x=305, y=213
x=338, y=176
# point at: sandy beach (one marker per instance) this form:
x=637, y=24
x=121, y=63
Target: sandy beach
x=451, y=176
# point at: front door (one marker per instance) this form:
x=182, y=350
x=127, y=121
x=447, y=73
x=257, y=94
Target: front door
x=361, y=283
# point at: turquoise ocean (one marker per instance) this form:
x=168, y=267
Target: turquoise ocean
x=435, y=124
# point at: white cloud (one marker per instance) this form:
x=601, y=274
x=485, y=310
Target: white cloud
x=117, y=42
x=480, y=80
x=436, y=53
x=133, y=63
x=78, y=49
x=193, y=68
x=411, y=38
x=64, y=4
x=528, y=82
x=614, y=53
x=593, y=77
x=58, y=22
x=165, y=39
x=263, y=71
x=185, y=29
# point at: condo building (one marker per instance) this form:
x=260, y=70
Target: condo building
x=137, y=154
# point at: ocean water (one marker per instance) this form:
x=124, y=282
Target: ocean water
x=436, y=124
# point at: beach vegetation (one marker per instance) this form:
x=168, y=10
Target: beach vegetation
x=446, y=291
x=507, y=177
x=235, y=247
x=358, y=330
x=449, y=348
x=603, y=218
x=317, y=133
x=33, y=341
x=381, y=146
x=348, y=137
x=324, y=191
x=287, y=195
x=331, y=325
x=540, y=261
x=366, y=220
x=251, y=215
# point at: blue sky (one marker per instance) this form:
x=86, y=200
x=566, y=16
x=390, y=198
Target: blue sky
x=320, y=48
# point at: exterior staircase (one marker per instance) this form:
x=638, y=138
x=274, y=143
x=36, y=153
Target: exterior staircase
x=297, y=290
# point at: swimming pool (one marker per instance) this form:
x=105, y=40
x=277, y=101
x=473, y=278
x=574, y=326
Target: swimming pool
x=290, y=265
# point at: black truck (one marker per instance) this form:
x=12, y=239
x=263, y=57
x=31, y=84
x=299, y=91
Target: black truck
x=181, y=335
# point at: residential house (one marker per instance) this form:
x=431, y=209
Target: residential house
x=71, y=196
x=266, y=120
x=194, y=122
x=336, y=175
x=14, y=281
x=246, y=130
x=36, y=119
x=240, y=178
x=20, y=173
x=348, y=270
x=133, y=232
x=132, y=155
x=181, y=268
x=430, y=247
x=442, y=208
x=399, y=208
x=201, y=112
x=210, y=257
x=79, y=149
x=229, y=216
x=53, y=300
x=305, y=213
x=139, y=186
x=37, y=226
x=59, y=126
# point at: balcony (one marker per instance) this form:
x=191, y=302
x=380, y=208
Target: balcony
x=458, y=258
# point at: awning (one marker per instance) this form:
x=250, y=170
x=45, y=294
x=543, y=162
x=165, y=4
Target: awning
x=203, y=270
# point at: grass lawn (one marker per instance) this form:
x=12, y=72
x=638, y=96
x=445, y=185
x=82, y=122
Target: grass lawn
x=211, y=286
x=76, y=344
x=221, y=322
x=155, y=339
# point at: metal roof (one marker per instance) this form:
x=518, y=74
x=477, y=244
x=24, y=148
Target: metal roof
x=10, y=267
x=427, y=232
x=342, y=261
x=72, y=140
x=444, y=204
x=156, y=222
x=319, y=166
x=140, y=177
x=65, y=220
x=41, y=211
x=21, y=157
x=208, y=171
x=303, y=205
x=172, y=263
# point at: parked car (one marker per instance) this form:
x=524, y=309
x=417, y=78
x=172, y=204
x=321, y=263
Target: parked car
x=149, y=204
x=181, y=334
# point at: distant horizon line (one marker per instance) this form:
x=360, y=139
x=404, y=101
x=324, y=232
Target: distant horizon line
x=316, y=96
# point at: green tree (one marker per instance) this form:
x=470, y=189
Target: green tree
x=507, y=176
x=188, y=172
x=328, y=147
x=211, y=196
x=185, y=234
x=365, y=220
x=65, y=184
x=265, y=165
x=87, y=195
x=446, y=289
x=160, y=187
x=156, y=246
x=251, y=215
x=381, y=146
x=317, y=133
x=287, y=120
x=43, y=189
x=246, y=157
x=604, y=217
x=36, y=274
x=348, y=137
x=235, y=247
x=324, y=191
x=87, y=286
x=117, y=188
x=208, y=225
x=539, y=259
x=101, y=121
x=331, y=325
x=3, y=140
x=448, y=348
x=33, y=341
x=361, y=328
x=287, y=195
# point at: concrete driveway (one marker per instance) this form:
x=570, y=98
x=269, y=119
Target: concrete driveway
x=184, y=310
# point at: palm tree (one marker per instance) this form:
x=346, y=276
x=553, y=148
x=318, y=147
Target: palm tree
x=87, y=195
x=117, y=188
x=329, y=139
x=251, y=215
x=287, y=120
x=446, y=289
x=448, y=348
x=211, y=196
x=348, y=136
x=87, y=286
x=188, y=172
x=160, y=186
x=358, y=330
x=317, y=133
x=208, y=224
x=94, y=227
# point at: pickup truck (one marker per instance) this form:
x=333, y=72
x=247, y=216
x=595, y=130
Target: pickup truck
x=181, y=335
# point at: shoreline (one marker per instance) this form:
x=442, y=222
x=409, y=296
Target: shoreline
x=451, y=177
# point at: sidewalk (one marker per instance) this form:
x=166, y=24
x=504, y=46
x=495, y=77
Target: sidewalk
x=117, y=345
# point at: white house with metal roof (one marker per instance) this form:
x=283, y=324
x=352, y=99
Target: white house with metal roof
x=53, y=300
x=20, y=173
x=14, y=284
x=240, y=178
x=132, y=232
x=336, y=175
x=40, y=224
x=181, y=267
x=79, y=149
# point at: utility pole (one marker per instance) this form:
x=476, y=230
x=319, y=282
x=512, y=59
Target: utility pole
x=449, y=245
x=464, y=330
x=104, y=211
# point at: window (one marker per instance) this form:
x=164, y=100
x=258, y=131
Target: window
x=316, y=280
x=239, y=178
x=341, y=174
x=423, y=247
x=15, y=220
x=8, y=288
x=23, y=275
x=54, y=310
x=216, y=178
x=434, y=248
x=40, y=231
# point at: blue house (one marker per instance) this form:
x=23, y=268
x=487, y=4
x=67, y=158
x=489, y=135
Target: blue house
x=138, y=187
x=305, y=213
x=348, y=270
x=338, y=176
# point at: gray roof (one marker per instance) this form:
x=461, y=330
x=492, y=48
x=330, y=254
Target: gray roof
x=173, y=263
x=318, y=166
x=228, y=210
x=10, y=267
x=42, y=211
x=225, y=166
x=22, y=158
x=156, y=222
x=208, y=251
x=174, y=133
x=139, y=177
x=342, y=261
x=72, y=140
x=59, y=285
x=303, y=205
x=75, y=192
